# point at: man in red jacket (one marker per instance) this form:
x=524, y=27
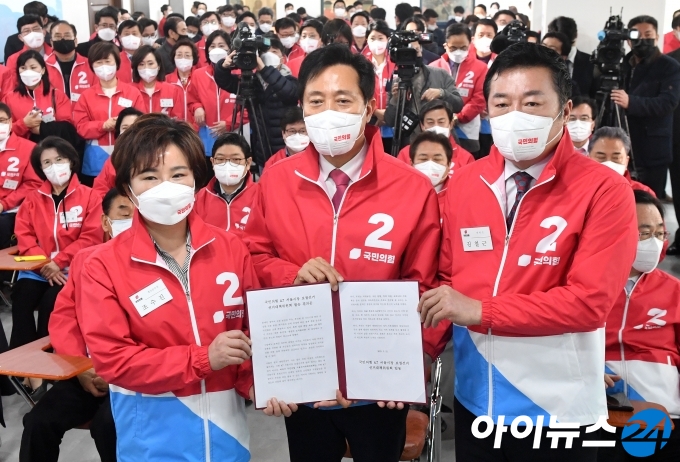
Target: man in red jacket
x=538, y=242
x=31, y=32
x=294, y=135
x=85, y=398
x=319, y=215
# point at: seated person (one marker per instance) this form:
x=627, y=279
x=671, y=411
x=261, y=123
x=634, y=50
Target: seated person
x=85, y=398
x=610, y=146
x=57, y=220
x=437, y=116
x=107, y=177
x=582, y=123
x=431, y=155
x=225, y=202
x=294, y=135
x=643, y=331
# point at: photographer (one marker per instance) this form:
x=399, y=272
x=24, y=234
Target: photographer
x=651, y=93
x=275, y=87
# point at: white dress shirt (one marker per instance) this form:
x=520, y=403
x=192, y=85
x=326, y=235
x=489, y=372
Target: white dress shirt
x=352, y=169
x=584, y=149
x=570, y=61
x=3, y=143
x=510, y=186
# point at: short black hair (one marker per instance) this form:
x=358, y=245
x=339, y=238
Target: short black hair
x=264, y=11
x=403, y=11
x=140, y=55
x=137, y=15
x=301, y=11
x=39, y=7
x=484, y=22
x=185, y=42
x=102, y=50
x=26, y=20
x=314, y=23
x=433, y=106
x=123, y=11
x=291, y=116
x=566, y=25
x=208, y=14
x=321, y=59
x=5, y=108
x=59, y=23
x=379, y=26
x=645, y=198
x=536, y=35
x=472, y=19
x=458, y=29
x=505, y=12
x=178, y=15
x=564, y=40
x=528, y=55
x=285, y=23
x=334, y=28
x=164, y=8
x=676, y=22
x=378, y=13
x=288, y=5
x=643, y=19
x=430, y=13
x=296, y=18
x=146, y=22
x=23, y=57
x=420, y=24
x=193, y=21
x=128, y=24
x=245, y=14
x=225, y=9
x=233, y=139
x=339, y=1
x=128, y=111
x=106, y=12
x=107, y=202
x=171, y=25
x=433, y=138
x=459, y=9
x=362, y=14
x=63, y=147
x=482, y=6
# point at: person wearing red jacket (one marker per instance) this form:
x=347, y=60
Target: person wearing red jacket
x=538, y=241
x=227, y=199
x=56, y=221
x=130, y=39
x=287, y=31
x=643, y=332
x=431, y=154
x=84, y=398
x=34, y=101
x=376, y=37
x=350, y=222
x=359, y=23
x=670, y=39
x=294, y=135
x=311, y=34
x=185, y=54
x=96, y=111
x=158, y=95
x=469, y=74
x=169, y=331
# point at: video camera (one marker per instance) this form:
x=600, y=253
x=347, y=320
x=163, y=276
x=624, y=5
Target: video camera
x=514, y=32
x=610, y=51
x=401, y=53
x=246, y=44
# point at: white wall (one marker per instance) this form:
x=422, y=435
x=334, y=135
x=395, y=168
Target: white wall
x=78, y=14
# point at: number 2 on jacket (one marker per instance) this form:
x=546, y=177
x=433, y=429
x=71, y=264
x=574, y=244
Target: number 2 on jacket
x=374, y=239
x=549, y=243
x=228, y=299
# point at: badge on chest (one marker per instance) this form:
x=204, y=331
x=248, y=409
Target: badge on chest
x=151, y=297
x=476, y=239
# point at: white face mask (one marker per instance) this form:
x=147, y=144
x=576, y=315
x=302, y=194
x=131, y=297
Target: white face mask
x=106, y=34
x=228, y=174
x=58, y=174
x=148, y=75
x=200, y=12
x=297, y=142
x=483, y=44
x=4, y=132
x=432, y=170
x=579, y=130
x=118, y=226
x=216, y=54
x=228, y=21
x=648, y=253
x=520, y=136
x=458, y=18
x=34, y=40
x=340, y=12
x=480, y=16
x=208, y=29
x=377, y=47
x=167, y=203
x=191, y=35
x=30, y=78
x=309, y=44
x=265, y=27
x=105, y=72
x=183, y=65
x=288, y=42
x=130, y=42
x=446, y=131
x=492, y=12
x=149, y=40
x=618, y=168
x=334, y=133
x=359, y=31
x=289, y=12
x=252, y=29
x=270, y=59
x=432, y=27
x=458, y=56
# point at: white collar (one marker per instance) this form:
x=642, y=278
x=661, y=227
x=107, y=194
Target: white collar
x=535, y=170
x=352, y=168
x=572, y=54
x=3, y=143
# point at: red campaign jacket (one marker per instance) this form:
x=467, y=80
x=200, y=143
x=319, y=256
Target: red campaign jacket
x=670, y=42
x=167, y=99
x=10, y=82
x=15, y=165
x=294, y=65
x=470, y=83
x=216, y=211
x=460, y=156
x=81, y=79
x=372, y=237
x=204, y=93
x=64, y=326
x=22, y=105
x=123, y=345
x=296, y=52
x=173, y=79
x=382, y=97
x=106, y=180
x=637, y=185
x=124, y=73
x=355, y=48
x=202, y=60
x=279, y=155
x=42, y=231
x=94, y=108
x=3, y=77
x=643, y=340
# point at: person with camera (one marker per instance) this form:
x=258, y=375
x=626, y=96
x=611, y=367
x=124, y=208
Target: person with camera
x=650, y=93
x=417, y=25
x=275, y=90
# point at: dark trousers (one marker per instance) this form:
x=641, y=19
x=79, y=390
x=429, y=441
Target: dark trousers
x=374, y=434
x=485, y=143
x=65, y=406
x=674, y=170
x=669, y=453
x=655, y=178
x=27, y=296
x=87, y=180
x=471, y=449
x=7, y=238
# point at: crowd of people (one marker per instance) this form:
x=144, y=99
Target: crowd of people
x=130, y=167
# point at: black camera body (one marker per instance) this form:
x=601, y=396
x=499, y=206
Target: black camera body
x=514, y=32
x=401, y=54
x=610, y=51
x=246, y=44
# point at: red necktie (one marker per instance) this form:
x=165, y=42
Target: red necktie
x=523, y=182
x=341, y=181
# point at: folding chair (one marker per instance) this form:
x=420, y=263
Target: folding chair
x=620, y=418
x=7, y=263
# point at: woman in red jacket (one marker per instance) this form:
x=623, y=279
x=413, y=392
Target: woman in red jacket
x=96, y=111
x=185, y=54
x=57, y=220
x=34, y=101
x=148, y=74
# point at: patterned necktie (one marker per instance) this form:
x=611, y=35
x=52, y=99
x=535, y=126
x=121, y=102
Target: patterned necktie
x=522, y=181
x=341, y=181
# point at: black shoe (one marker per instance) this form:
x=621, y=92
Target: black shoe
x=38, y=393
x=673, y=249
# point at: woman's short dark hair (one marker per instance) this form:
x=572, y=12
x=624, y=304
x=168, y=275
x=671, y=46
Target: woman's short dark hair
x=527, y=55
x=379, y=26
x=23, y=57
x=128, y=111
x=420, y=24
x=64, y=149
x=102, y=50
x=318, y=60
x=433, y=138
x=334, y=28
x=138, y=148
x=211, y=38
x=185, y=43
x=5, y=108
x=140, y=55
x=233, y=139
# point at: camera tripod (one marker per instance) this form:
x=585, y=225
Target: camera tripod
x=245, y=101
x=406, y=75
x=611, y=114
